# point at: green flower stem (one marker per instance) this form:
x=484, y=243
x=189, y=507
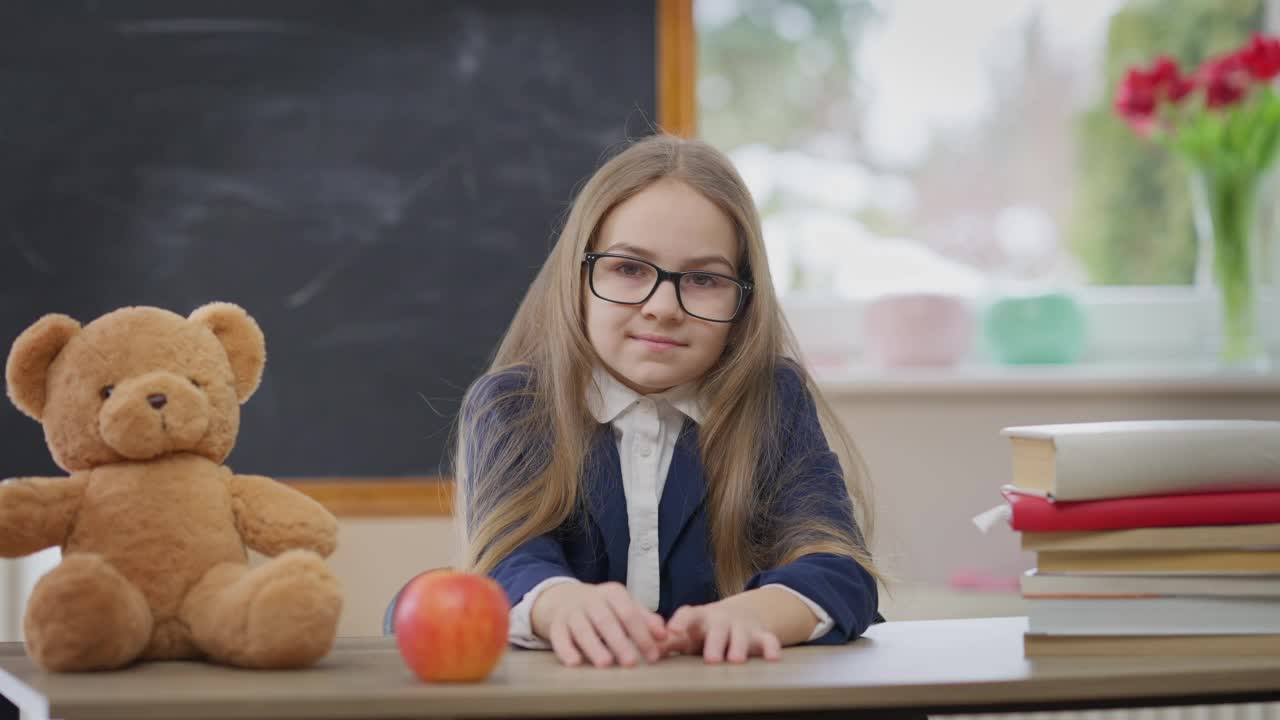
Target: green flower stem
x=1231, y=198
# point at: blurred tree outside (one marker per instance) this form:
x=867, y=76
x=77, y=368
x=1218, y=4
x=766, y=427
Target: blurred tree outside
x=780, y=73
x=1133, y=225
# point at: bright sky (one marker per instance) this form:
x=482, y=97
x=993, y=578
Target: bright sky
x=927, y=63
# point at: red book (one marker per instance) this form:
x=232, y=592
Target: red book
x=1036, y=513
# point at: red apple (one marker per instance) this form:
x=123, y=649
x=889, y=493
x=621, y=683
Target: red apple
x=452, y=626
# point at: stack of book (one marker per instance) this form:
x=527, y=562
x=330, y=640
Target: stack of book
x=1151, y=537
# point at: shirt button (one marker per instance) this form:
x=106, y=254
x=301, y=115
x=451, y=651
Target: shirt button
x=644, y=450
x=646, y=545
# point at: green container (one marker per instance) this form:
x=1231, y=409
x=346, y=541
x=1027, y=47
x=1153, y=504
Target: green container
x=1048, y=328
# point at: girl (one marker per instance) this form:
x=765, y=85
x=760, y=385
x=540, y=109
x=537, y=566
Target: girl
x=643, y=469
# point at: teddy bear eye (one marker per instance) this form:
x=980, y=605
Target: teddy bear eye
x=105, y=392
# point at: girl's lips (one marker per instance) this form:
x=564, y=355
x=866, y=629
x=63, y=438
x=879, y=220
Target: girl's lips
x=657, y=342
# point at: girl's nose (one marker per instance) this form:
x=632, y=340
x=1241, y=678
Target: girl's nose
x=663, y=304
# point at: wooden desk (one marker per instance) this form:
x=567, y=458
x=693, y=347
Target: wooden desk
x=936, y=666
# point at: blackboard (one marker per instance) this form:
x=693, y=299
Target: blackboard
x=375, y=182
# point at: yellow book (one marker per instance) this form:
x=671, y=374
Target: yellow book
x=1041, y=584
x=1163, y=562
x=1201, y=537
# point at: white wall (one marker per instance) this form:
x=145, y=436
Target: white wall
x=937, y=459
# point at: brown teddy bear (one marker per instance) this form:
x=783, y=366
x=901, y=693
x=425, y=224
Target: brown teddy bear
x=141, y=407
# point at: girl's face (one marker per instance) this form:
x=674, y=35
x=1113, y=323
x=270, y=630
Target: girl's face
x=656, y=345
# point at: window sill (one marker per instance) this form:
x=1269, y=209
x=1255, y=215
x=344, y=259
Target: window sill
x=1066, y=379
x=1140, y=341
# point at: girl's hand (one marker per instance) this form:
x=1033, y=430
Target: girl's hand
x=602, y=623
x=721, y=631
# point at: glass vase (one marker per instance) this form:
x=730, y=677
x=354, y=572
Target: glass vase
x=1236, y=223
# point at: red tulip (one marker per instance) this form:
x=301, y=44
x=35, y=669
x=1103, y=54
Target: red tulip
x=1225, y=80
x=1262, y=57
x=1135, y=99
x=1169, y=80
x=1143, y=91
x=1235, y=117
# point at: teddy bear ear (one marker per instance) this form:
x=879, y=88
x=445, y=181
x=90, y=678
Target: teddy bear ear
x=241, y=338
x=27, y=369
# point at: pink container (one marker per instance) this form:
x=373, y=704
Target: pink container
x=918, y=329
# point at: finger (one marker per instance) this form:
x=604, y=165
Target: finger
x=739, y=644
x=673, y=645
x=646, y=628
x=610, y=629
x=562, y=644
x=657, y=626
x=682, y=619
x=624, y=605
x=585, y=636
x=636, y=624
x=713, y=647
x=769, y=645
x=669, y=643
x=696, y=631
x=677, y=643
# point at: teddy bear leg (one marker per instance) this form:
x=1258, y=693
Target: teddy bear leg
x=84, y=615
x=281, y=614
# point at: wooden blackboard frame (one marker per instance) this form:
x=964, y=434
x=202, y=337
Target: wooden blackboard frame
x=433, y=496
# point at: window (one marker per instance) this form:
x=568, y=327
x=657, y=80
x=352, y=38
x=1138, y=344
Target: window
x=970, y=148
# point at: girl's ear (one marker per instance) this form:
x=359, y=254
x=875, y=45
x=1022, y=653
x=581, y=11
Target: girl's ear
x=242, y=339
x=27, y=371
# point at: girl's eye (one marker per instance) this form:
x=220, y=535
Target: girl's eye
x=105, y=392
x=630, y=269
x=703, y=281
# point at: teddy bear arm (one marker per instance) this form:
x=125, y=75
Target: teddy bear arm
x=36, y=512
x=273, y=517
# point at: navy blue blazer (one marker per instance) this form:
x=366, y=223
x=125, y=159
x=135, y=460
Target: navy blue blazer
x=592, y=546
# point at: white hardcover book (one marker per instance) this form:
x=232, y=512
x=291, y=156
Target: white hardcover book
x=1090, y=461
x=1153, y=616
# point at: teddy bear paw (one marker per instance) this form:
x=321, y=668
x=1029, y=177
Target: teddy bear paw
x=84, y=615
x=293, y=615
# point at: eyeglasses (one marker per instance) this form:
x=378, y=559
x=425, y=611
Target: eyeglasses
x=629, y=280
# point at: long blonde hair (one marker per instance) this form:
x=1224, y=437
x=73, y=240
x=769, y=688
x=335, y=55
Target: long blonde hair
x=535, y=435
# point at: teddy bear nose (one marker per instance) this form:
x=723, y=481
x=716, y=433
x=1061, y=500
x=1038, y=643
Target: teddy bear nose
x=157, y=400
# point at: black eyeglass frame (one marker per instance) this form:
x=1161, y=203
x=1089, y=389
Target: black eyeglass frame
x=589, y=259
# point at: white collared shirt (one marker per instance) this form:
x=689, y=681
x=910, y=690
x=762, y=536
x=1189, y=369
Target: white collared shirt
x=646, y=428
